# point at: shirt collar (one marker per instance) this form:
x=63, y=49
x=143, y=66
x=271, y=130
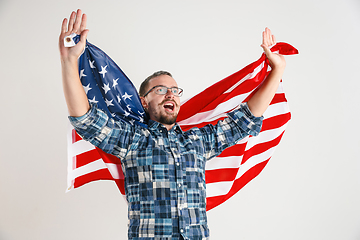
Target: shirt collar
x=153, y=125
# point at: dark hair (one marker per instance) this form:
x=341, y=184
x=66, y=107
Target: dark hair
x=145, y=83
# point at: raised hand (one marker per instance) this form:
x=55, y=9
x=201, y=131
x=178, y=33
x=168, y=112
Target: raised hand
x=276, y=60
x=75, y=96
x=259, y=102
x=76, y=24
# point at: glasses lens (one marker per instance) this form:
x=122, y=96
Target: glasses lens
x=177, y=91
x=162, y=90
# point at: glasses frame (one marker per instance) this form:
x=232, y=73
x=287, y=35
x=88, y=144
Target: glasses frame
x=167, y=88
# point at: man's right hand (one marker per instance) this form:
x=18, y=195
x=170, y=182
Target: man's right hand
x=77, y=24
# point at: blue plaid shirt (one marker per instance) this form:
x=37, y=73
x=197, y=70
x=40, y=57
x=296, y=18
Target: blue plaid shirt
x=165, y=170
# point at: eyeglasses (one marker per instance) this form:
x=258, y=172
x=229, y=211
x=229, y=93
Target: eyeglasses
x=162, y=90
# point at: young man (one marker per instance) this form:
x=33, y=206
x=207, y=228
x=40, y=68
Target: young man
x=164, y=167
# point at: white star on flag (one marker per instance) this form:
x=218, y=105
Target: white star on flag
x=87, y=88
x=91, y=64
x=115, y=82
x=126, y=114
x=126, y=96
x=82, y=73
x=109, y=103
x=106, y=87
x=93, y=100
x=103, y=70
x=118, y=98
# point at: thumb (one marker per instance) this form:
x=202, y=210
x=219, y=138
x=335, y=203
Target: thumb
x=266, y=49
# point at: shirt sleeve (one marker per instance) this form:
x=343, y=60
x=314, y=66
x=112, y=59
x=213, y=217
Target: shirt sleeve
x=244, y=118
x=103, y=132
x=239, y=124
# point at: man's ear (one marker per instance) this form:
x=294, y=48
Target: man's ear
x=144, y=103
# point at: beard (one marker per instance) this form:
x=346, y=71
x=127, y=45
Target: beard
x=161, y=117
x=170, y=119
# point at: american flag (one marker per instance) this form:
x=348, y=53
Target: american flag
x=107, y=85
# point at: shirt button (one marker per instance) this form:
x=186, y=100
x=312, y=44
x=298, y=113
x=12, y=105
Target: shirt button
x=177, y=164
x=181, y=230
x=179, y=184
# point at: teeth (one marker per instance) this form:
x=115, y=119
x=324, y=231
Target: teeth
x=169, y=105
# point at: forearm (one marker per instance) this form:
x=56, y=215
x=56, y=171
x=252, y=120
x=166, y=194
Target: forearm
x=260, y=101
x=74, y=92
x=103, y=132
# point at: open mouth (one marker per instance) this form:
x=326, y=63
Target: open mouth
x=169, y=106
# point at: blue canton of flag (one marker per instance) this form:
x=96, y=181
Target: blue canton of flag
x=107, y=85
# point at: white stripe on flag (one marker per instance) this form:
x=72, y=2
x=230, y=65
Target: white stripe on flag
x=222, y=188
x=249, y=76
x=254, y=160
x=276, y=110
x=115, y=170
x=234, y=161
x=217, y=112
x=265, y=136
x=224, y=162
x=79, y=147
x=88, y=168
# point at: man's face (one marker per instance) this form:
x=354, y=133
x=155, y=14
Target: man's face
x=162, y=108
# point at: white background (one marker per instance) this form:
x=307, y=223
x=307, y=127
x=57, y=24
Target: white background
x=309, y=190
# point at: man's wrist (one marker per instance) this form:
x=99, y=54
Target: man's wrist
x=69, y=62
x=278, y=69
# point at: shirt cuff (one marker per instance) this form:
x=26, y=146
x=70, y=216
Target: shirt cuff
x=244, y=118
x=78, y=121
x=91, y=121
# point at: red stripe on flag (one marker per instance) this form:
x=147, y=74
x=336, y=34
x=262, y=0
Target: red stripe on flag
x=87, y=157
x=108, y=158
x=121, y=185
x=75, y=136
x=102, y=174
x=207, y=96
x=212, y=202
x=245, y=87
x=278, y=98
x=260, y=148
x=236, y=150
x=275, y=122
x=220, y=175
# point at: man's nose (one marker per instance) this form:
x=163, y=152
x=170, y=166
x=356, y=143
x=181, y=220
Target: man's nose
x=169, y=94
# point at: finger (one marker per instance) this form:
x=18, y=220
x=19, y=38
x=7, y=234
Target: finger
x=77, y=22
x=71, y=22
x=273, y=40
x=63, y=26
x=269, y=36
x=83, y=22
x=266, y=37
